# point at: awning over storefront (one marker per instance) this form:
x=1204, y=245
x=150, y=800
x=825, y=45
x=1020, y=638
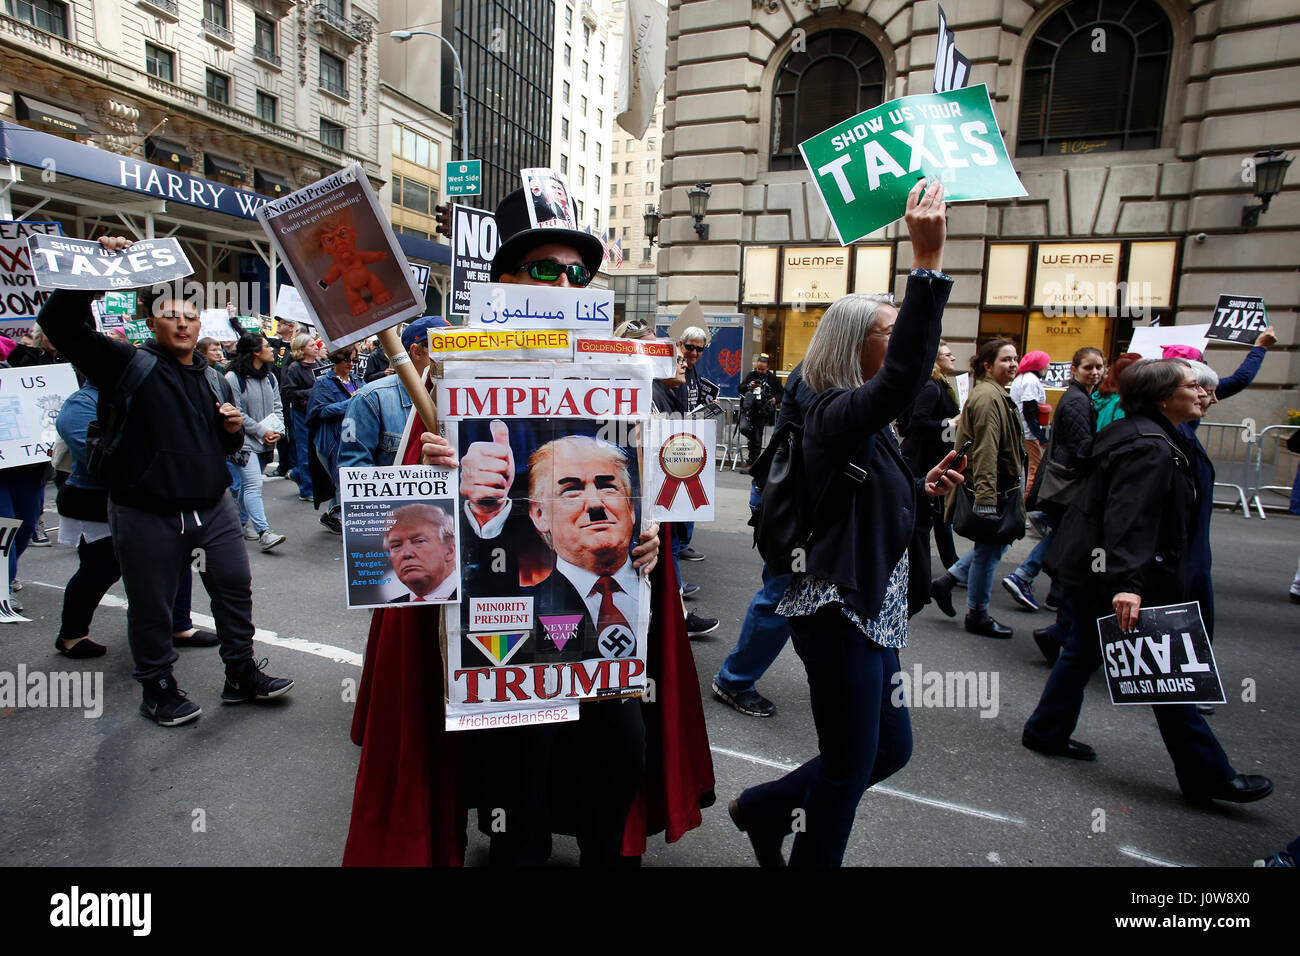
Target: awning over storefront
x=29, y=147
x=47, y=114
x=424, y=249
x=168, y=151
x=216, y=166
x=269, y=184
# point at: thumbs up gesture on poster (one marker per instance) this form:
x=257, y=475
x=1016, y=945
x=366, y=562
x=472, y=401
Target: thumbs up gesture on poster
x=486, y=473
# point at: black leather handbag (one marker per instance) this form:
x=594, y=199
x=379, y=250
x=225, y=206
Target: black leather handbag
x=1006, y=526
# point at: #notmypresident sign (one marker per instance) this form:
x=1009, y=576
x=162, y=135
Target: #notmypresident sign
x=865, y=166
x=1166, y=659
x=62, y=263
x=1238, y=318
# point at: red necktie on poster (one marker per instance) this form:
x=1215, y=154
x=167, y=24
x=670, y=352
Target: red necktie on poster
x=609, y=614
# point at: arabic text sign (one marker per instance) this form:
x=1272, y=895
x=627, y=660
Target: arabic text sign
x=1238, y=318
x=865, y=166
x=61, y=263
x=399, y=535
x=474, y=242
x=513, y=306
x=1166, y=659
x=20, y=299
x=30, y=399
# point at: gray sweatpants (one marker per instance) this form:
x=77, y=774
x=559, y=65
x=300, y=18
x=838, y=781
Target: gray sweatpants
x=152, y=548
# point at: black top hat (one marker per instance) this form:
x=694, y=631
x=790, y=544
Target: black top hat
x=518, y=238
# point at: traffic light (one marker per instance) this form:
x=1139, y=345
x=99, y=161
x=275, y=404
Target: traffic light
x=444, y=219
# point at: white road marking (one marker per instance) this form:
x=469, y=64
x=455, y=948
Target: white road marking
x=337, y=654
x=1146, y=857
x=890, y=791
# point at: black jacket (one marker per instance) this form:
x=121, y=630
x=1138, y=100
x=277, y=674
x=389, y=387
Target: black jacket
x=296, y=385
x=1138, y=507
x=873, y=520
x=1073, y=427
x=174, y=449
x=925, y=446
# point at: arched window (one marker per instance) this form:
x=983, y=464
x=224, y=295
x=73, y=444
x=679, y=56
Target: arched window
x=837, y=74
x=1096, y=74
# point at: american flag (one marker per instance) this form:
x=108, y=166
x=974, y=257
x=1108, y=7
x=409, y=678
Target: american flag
x=616, y=252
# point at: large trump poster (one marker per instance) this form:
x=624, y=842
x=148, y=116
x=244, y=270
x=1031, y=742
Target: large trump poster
x=550, y=505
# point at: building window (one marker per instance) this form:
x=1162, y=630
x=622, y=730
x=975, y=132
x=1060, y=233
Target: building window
x=335, y=7
x=600, y=84
x=654, y=118
x=584, y=69
x=627, y=212
x=159, y=62
x=627, y=168
x=568, y=19
x=564, y=165
x=649, y=165
x=839, y=74
x=602, y=51
x=597, y=179
x=650, y=143
x=42, y=14
x=577, y=210
x=564, y=91
x=582, y=175
x=568, y=55
x=630, y=145
x=264, y=37
x=215, y=12
x=268, y=107
x=414, y=195
x=614, y=147
x=564, y=128
x=333, y=74
x=649, y=187
x=331, y=133
x=613, y=211
x=600, y=119
x=627, y=189
x=598, y=152
x=586, y=36
x=582, y=140
x=218, y=85
x=414, y=147
x=1108, y=101
x=582, y=105
x=595, y=214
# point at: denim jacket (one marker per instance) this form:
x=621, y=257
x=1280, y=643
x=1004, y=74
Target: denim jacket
x=378, y=413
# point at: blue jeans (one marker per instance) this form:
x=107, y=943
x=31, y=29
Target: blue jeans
x=22, y=496
x=1199, y=760
x=1295, y=493
x=980, y=563
x=301, y=471
x=682, y=531
x=862, y=739
x=1029, y=569
x=762, y=636
x=250, y=494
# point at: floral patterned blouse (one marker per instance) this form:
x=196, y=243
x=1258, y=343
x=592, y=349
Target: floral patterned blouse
x=807, y=593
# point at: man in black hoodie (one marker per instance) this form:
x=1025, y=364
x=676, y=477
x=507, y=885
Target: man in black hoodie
x=167, y=492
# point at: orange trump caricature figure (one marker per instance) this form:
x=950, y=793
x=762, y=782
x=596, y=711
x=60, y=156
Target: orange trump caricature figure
x=339, y=242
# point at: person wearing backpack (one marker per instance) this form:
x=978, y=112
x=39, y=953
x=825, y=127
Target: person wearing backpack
x=257, y=394
x=848, y=609
x=1125, y=543
x=166, y=424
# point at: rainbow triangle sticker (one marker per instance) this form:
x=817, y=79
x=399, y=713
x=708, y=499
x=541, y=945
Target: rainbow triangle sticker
x=500, y=647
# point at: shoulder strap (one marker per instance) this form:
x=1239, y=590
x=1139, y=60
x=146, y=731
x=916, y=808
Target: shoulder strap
x=136, y=371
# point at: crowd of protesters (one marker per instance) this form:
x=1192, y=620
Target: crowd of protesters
x=1117, y=467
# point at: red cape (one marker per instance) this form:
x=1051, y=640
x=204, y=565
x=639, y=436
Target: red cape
x=409, y=806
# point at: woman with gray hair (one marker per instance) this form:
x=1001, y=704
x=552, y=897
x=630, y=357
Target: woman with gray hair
x=848, y=611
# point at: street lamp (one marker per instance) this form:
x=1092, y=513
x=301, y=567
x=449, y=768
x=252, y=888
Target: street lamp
x=402, y=36
x=699, y=198
x=651, y=219
x=1270, y=170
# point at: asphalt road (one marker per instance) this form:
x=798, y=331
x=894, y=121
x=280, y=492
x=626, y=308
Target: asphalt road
x=272, y=784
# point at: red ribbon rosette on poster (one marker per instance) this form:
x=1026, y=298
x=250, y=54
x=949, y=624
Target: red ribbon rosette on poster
x=683, y=457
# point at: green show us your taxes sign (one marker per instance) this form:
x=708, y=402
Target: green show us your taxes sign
x=464, y=177
x=865, y=166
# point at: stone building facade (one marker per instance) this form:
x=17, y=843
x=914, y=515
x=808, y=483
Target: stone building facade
x=1153, y=189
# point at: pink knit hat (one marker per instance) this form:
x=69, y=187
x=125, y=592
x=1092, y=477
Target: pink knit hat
x=7, y=345
x=1034, y=361
x=1180, y=351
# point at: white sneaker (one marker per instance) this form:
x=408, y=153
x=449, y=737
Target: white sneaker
x=270, y=539
x=250, y=534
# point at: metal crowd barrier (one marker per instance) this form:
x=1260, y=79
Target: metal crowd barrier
x=1272, y=442
x=1234, y=451
x=731, y=444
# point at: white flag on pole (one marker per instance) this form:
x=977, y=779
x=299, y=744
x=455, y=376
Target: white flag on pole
x=645, y=48
x=951, y=69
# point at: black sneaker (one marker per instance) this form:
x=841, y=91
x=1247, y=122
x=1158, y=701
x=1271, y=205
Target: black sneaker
x=697, y=626
x=689, y=554
x=332, y=522
x=749, y=702
x=247, y=682
x=166, y=704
